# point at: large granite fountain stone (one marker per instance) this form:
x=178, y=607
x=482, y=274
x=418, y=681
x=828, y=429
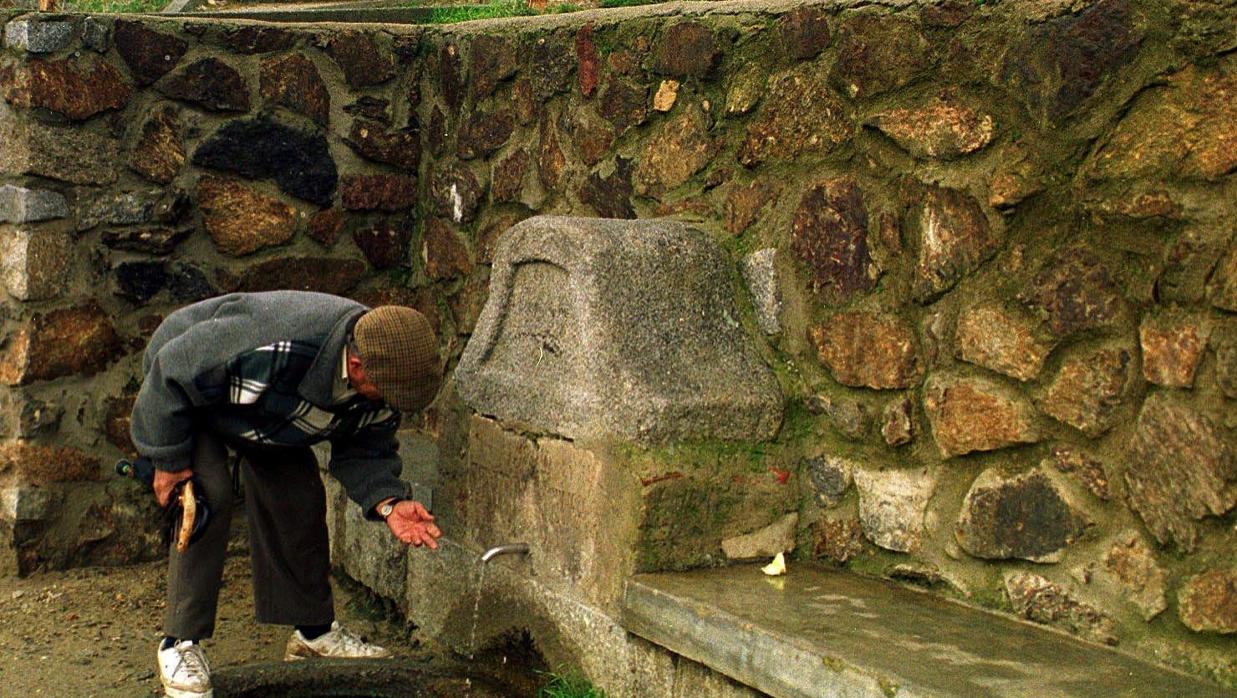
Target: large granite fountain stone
x=616, y=330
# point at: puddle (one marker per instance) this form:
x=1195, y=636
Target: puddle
x=356, y=679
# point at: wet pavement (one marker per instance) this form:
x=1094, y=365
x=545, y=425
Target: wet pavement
x=822, y=632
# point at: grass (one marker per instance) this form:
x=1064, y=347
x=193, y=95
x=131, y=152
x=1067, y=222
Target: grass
x=104, y=6
x=568, y=685
x=450, y=14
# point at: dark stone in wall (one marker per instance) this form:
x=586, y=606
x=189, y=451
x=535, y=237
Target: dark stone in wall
x=378, y=192
x=744, y=204
x=253, y=40
x=372, y=140
x=830, y=236
x=1064, y=61
x=1024, y=517
x=155, y=205
x=116, y=421
x=364, y=62
x=446, y=257
x=493, y=60
x=550, y=159
x=801, y=115
x=386, y=243
x=456, y=193
x=159, y=153
x=148, y=53
x=623, y=104
x=322, y=274
x=878, y=53
x=804, y=32
x=587, y=63
x=483, y=133
x=508, y=177
x=369, y=107
x=1073, y=292
x=140, y=281
x=950, y=13
x=549, y=66
x=156, y=241
x=610, y=196
x=325, y=226
x=300, y=163
x=687, y=50
x=187, y=284
x=74, y=89
x=294, y=82
x=451, y=76
x=211, y=84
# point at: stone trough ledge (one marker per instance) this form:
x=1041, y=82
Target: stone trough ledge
x=821, y=632
x=600, y=329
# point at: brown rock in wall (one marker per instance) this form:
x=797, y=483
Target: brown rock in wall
x=1172, y=346
x=386, y=243
x=483, y=133
x=687, y=49
x=325, y=226
x=1131, y=563
x=508, y=178
x=241, y=220
x=35, y=464
x=1083, y=467
x=211, y=84
x=1037, y=599
x=378, y=192
x=253, y=40
x=293, y=82
x=75, y=341
x=1184, y=468
x=1088, y=390
x=1001, y=340
x=1224, y=344
x=745, y=203
x=1073, y=292
x=443, y=253
x=954, y=239
x=976, y=414
x=878, y=53
x=830, y=236
x=400, y=148
x=868, y=350
x=148, y=53
x=788, y=127
x=610, y=196
x=624, y=105
x=1186, y=127
x=321, y=274
x=363, y=61
x=1207, y=602
x=1189, y=262
x=942, y=128
x=587, y=61
x=804, y=32
x=456, y=193
x=1222, y=290
x=159, y=153
x=75, y=89
x=677, y=150
x=550, y=159
x=494, y=60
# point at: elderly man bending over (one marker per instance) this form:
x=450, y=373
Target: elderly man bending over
x=267, y=375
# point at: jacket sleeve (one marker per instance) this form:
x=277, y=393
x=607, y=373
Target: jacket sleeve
x=367, y=464
x=172, y=389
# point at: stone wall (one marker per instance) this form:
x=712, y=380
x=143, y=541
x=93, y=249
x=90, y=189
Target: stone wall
x=990, y=249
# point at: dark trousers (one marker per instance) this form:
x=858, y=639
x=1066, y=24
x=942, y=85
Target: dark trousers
x=285, y=507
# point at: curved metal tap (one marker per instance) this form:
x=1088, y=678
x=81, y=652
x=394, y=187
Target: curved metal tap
x=509, y=549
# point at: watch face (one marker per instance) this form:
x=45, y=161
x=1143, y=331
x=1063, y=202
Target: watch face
x=386, y=509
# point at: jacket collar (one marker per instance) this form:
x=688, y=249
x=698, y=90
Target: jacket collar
x=316, y=386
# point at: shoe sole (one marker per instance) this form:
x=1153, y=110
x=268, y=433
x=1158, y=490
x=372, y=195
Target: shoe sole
x=179, y=693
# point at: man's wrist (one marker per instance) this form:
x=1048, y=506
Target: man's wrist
x=386, y=507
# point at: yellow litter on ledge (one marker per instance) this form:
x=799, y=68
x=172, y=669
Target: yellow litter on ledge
x=777, y=567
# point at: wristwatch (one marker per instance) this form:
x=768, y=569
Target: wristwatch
x=385, y=509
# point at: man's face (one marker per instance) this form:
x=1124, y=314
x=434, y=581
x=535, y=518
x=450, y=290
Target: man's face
x=358, y=380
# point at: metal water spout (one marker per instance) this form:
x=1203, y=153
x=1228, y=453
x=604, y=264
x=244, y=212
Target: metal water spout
x=509, y=549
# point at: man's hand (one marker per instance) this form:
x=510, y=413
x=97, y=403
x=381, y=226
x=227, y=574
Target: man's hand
x=411, y=523
x=165, y=481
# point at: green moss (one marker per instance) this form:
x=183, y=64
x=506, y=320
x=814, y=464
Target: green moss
x=113, y=6
x=494, y=9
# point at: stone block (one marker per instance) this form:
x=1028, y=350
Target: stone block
x=1172, y=346
x=22, y=205
x=761, y=276
x=976, y=414
x=159, y=153
x=1042, y=601
x=868, y=350
x=830, y=477
x=675, y=151
x=378, y=192
x=954, y=239
x=787, y=127
x=148, y=53
x=942, y=128
x=1184, y=468
x=1073, y=292
x=294, y=82
x=134, y=207
x=75, y=154
x=240, y=219
x=1026, y=516
x=1001, y=340
x=687, y=49
x=35, y=263
x=1088, y=390
x=25, y=504
x=210, y=84
x=898, y=421
x=1083, y=467
x=74, y=341
x=592, y=331
x=299, y=162
x=1131, y=563
x=75, y=89
x=878, y=52
x=830, y=237
x=25, y=463
x=34, y=36
x=777, y=537
x=1207, y=602
x=892, y=505
x=322, y=274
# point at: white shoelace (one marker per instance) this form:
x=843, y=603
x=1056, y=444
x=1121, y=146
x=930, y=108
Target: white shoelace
x=192, y=661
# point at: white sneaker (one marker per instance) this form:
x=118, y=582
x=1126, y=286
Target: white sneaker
x=339, y=643
x=184, y=671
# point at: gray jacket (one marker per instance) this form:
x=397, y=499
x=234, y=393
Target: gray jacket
x=260, y=368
